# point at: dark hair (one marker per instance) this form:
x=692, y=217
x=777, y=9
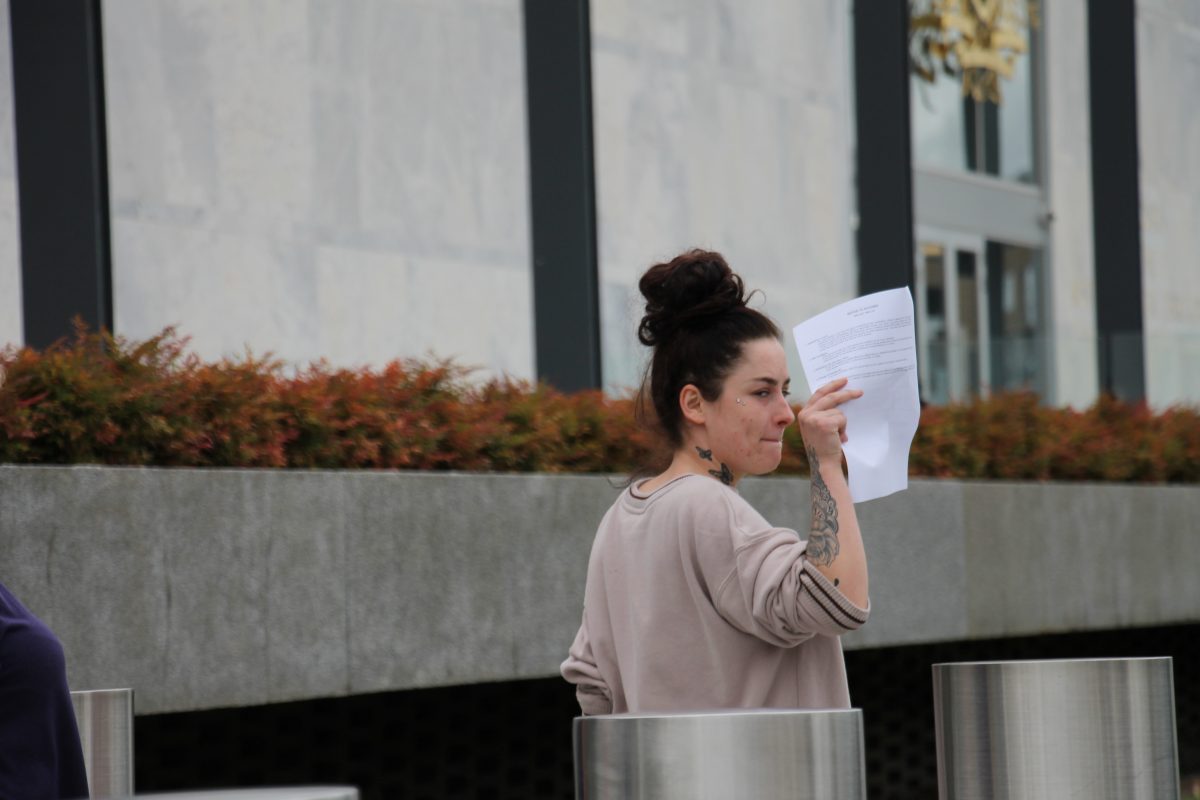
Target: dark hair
x=697, y=321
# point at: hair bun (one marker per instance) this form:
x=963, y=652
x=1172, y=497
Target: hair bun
x=688, y=290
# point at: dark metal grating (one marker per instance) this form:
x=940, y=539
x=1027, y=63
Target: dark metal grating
x=513, y=740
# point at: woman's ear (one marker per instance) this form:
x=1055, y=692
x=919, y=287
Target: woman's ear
x=691, y=404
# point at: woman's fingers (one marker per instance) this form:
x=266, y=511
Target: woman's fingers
x=835, y=399
x=832, y=386
x=832, y=399
x=823, y=430
x=830, y=422
x=822, y=425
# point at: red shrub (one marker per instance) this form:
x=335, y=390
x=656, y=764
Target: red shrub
x=95, y=398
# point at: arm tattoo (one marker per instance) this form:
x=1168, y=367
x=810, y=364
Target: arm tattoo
x=723, y=475
x=823, y=543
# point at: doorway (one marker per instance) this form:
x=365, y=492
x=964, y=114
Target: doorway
x=954, y=349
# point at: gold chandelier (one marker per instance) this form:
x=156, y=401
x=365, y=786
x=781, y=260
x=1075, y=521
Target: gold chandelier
x=978, y=41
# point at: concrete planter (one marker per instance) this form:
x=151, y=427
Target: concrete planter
x=209, y=588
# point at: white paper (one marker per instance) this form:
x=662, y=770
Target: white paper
x=872, y=342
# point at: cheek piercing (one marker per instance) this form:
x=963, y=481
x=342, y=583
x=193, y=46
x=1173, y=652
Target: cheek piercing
x=739, y=401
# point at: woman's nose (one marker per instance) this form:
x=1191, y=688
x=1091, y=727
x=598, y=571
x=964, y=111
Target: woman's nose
x=785, y=415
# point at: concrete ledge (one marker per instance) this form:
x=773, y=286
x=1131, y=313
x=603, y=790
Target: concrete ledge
x=209, y=588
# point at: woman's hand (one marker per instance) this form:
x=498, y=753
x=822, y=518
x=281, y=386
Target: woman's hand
x=822, y=424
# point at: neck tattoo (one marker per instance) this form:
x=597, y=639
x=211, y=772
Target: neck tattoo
x=723, y=474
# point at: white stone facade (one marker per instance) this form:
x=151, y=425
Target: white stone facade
x=729, y=126
x=1168, y=90
x=1066, y=143
x=338, y=180
x=11, y=320
x=348, y=179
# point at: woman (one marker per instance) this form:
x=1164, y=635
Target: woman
x=693, y=600
x=40, y=755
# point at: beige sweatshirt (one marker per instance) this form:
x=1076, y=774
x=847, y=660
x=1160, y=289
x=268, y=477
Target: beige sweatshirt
x=694, y=601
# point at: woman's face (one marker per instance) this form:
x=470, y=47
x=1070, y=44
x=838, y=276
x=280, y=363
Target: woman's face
x=745, y=424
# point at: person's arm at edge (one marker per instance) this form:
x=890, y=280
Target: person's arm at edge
x=835, y=546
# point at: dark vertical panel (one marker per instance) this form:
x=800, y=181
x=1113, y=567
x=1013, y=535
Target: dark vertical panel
x=991, y=139
x=971, y=128
x=1112, y=73
x=982, y=134
x=884, y=157
x=562, y=193
x=994, y=259
x=62, y=168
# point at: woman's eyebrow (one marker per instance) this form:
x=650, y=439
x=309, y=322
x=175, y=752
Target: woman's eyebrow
x=771, y=381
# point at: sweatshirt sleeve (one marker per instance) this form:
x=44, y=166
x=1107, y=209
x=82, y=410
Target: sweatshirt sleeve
x=775, y=593
x=580, y=669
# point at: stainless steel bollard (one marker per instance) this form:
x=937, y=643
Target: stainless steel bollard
x=105, y=719
x=1039, y=730
x=760, y=754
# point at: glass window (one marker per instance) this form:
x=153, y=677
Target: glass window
x=967, y=351
x=938, y=127
x=935, y=376
x=981, y=321
x=1016, y=124
x=953, y=131
x=1018, y=336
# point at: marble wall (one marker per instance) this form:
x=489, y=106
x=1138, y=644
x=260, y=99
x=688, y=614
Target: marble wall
x=724, y=125
x=1066, y=140
x=11, y=322
x=339, y=179
x=1168, y=90
x=347, y=179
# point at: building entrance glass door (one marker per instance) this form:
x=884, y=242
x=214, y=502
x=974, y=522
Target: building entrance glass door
x=952, y=316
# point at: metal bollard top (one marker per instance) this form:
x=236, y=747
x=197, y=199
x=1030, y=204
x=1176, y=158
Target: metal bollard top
x=762, y=753
x=1035, y=730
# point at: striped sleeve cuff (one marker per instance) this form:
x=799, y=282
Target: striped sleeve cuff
x=837, y=606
